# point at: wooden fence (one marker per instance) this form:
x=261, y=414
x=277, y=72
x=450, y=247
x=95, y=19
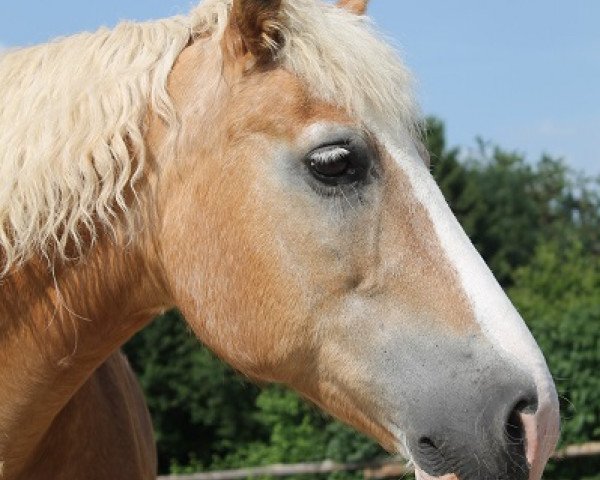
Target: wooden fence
x=377, y=469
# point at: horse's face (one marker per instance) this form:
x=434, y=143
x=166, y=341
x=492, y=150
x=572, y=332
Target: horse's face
x=321, y=254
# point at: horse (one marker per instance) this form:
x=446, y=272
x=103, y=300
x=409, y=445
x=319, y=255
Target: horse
x=259, y=165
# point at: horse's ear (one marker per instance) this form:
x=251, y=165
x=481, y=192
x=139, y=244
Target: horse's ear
x=257, y=25
x=355, y=6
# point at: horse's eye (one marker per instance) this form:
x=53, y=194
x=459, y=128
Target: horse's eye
x=337, y=165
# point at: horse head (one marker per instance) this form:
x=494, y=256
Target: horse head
x=305, y=241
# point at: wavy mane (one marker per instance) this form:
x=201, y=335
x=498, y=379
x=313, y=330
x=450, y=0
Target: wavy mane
x=73, y=113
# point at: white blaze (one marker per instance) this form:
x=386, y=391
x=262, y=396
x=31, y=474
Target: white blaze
x=497, y=317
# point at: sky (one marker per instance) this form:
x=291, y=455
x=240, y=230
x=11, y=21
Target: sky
x=523, y=75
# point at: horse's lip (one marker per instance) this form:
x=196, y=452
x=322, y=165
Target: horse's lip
x=421, y=475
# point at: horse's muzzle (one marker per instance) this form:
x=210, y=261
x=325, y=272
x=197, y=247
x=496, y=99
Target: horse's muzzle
x=490, y=445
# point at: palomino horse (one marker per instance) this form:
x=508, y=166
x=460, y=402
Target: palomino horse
x=257, y=165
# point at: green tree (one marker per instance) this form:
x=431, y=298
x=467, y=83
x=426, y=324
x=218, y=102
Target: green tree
x=508, y=206
x=300, y=433
x=199, y=406
x=558, y=294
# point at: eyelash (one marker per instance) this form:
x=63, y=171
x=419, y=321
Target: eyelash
x=346, y=181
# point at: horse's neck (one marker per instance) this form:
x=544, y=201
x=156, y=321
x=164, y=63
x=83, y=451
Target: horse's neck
x=55, y=330
x=111, y=405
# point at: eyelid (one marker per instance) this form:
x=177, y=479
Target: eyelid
x=329, y=154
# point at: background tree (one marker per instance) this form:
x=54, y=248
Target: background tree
x=558, y=293
x=200, y=408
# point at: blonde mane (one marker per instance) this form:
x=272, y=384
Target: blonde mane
x=73, y=112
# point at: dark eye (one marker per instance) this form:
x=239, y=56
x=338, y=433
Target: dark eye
x=339, y=164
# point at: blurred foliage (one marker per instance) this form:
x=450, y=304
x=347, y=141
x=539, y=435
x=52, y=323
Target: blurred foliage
x=199, y=406
x=537, y=226
x=508, y=206
x=558, y=292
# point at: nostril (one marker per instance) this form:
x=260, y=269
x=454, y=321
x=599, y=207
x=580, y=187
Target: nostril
x=513, y=428
x=427, y=444
x=528, y=404
x=430, y=454
x=517, y=443
x=521, y=429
